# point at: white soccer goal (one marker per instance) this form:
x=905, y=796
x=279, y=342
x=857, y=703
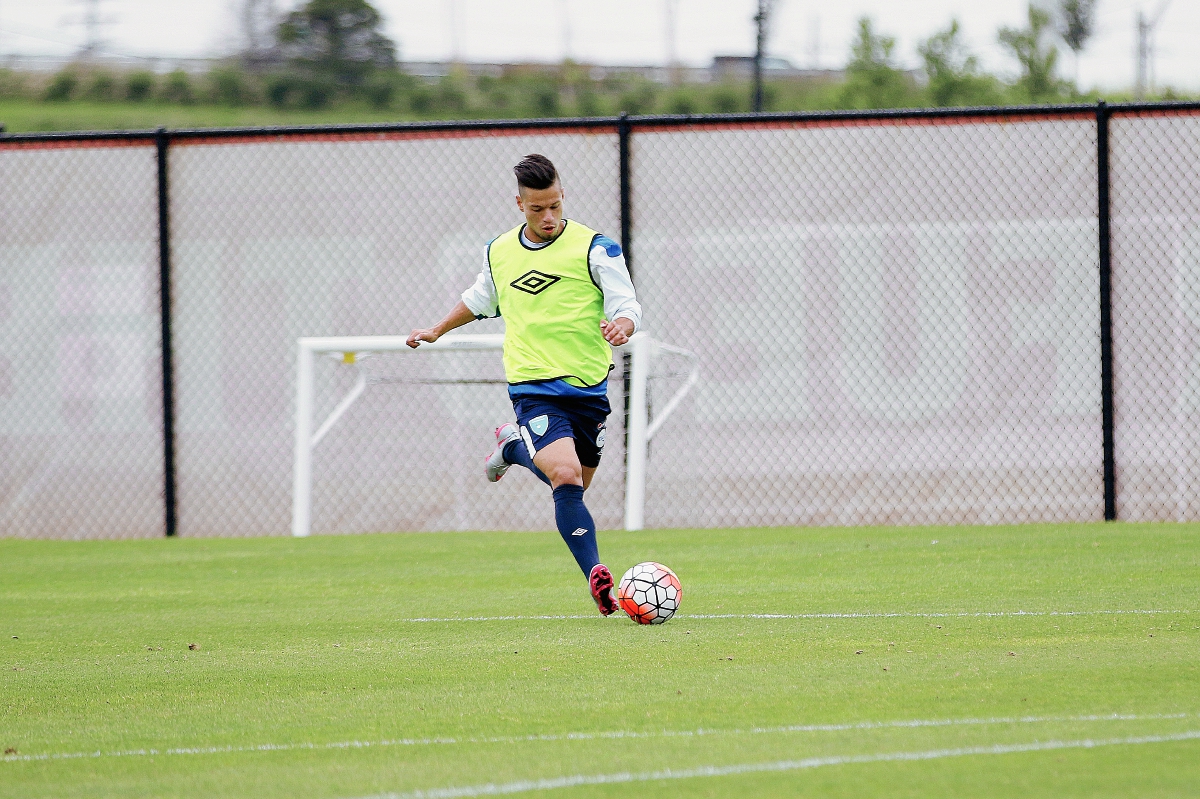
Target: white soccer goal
x=352, y=350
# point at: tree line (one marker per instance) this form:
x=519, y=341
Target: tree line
x=334, y=53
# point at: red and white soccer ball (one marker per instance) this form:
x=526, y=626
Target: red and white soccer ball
x=650, y=593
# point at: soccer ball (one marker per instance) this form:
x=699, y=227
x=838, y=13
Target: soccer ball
x=650, y=593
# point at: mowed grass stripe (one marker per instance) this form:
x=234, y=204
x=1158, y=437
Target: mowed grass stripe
x=530, y=786
x=609, y=735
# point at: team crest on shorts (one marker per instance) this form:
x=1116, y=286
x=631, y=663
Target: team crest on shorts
x=538, y=425
x=600, y=438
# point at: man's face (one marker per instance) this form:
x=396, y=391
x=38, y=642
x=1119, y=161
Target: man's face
x=543, y=209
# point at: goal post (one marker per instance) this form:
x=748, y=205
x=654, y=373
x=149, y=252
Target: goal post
x=350, y=350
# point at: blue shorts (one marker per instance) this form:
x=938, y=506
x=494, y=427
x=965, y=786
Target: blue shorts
x=547, y=419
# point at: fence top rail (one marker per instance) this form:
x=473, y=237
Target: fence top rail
x=874, y=115
x=1155, y=109
x=480, y=126
x=87, y=138
x=441, y=126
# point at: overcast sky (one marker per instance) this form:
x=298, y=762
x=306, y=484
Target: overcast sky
x=807, y=32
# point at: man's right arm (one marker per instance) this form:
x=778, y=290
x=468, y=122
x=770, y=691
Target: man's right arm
x=478, y=302
x=459, y=315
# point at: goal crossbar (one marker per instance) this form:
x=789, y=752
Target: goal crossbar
x=351, y=350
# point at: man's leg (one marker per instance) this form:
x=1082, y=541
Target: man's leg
x=517, y=452
x=560, y=463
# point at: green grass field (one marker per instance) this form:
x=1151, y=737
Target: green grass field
x=1055, y=661
x=32, y=116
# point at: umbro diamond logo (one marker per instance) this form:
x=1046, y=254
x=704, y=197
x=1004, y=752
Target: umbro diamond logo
x=534, y=282
x=580, y=531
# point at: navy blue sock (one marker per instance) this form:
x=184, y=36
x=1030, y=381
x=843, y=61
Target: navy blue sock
x=576, y=527
x=517, y=452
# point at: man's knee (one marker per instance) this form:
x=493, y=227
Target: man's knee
x=564, y=474
x=559, y=463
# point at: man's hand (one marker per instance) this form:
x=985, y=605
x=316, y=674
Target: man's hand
x=618, y=331
x=417, y=336
x=459, y=315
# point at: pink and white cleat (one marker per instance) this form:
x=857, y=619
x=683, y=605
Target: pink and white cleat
x=494, y=466
x=600, y=581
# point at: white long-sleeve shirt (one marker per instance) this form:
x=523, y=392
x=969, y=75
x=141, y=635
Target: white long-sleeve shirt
x=606, y=263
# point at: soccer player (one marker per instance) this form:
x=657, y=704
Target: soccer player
x=565, y=295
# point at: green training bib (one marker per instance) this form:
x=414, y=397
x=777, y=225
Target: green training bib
x=552, y=308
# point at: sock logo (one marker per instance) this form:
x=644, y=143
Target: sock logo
x=580, y=531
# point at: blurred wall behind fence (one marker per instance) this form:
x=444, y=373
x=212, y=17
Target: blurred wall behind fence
x=900, y=319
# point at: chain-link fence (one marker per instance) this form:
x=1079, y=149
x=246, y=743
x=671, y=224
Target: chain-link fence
x=354, y=235
x=897, y=320
x=1156, y=313
x=897, y=316
x=81, y=444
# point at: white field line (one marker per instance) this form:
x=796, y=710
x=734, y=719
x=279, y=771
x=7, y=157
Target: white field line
x=611, y=734
x=975, y=615
x=494, y=789
x=965, y=615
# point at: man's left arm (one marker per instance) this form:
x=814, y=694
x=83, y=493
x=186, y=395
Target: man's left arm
x=622, y=312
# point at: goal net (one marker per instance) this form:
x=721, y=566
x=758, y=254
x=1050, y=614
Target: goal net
x=392, y=438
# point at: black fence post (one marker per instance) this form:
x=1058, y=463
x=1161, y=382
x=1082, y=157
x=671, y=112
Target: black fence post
x=1106, y=355
x=163, y=143
x=624, y=130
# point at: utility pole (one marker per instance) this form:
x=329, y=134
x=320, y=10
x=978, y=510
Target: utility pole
x=92, y=21
x=258, y=23
x=814, y=42
x=760, y=19
x=455, y=51
x=1146, y=28
x=258, y=28
x=566, y=29
x=1143, y=56
x=670, y=9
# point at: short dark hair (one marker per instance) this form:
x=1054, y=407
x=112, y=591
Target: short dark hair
x=535, y=172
